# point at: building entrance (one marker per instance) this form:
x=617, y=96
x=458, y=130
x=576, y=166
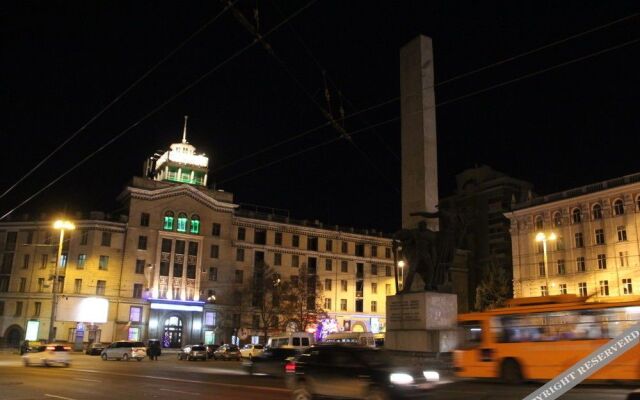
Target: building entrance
x=172, y=337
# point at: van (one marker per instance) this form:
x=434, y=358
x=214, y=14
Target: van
x=295, y=340
x=360, y=338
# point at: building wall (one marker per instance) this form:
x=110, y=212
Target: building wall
x=620, y=254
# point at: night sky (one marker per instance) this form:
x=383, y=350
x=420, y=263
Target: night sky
x=62, y=62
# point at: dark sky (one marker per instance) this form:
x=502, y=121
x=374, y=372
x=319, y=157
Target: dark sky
x=62, y=62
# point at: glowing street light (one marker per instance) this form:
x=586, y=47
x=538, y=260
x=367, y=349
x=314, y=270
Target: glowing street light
x=60, y=225
x=400, y=274
x=542, y=237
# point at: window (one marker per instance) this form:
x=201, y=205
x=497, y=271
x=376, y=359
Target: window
x=182, y=222
x=260, y=236
x=344, y=266
x=77, y=286
x=582, y=289
x=214, y=251
x=239, y=276
x=140, y=266
x=104, y=263
x=142, y=242
x=343, y=304
x=387, y=289
x=374, y=306
x=602, y=261
x=242, y=233
x=135, y=314
x=100, y=287
x=295, y=261
x=561, y=268
x=328, y=264
x=563, y=288
x=144, y=219
x=345, y=247
x=540, y=247
x=387, y=252
x=168, y=221
x=312, y=243
x=18, y=309
x=544, y=291
x=557, y=219
x=374, y=251
x=579, y=239
x=23, y=285
x=239, y=254
x=106, y=239
x=210, y=318
x=328, y=245
x=278, y=238
x=194, y=226
x=29, y=237
x=624, y=258
x=215, y=229
x=213, y=273
x=359, y=249
x=38, y=308
x=596, y=211
x=84, y=237
x=47, y=239
x=327, y=304
x=40, y=284
x=618, y=207
x=343, y=285
x=580, y=265
x=327, y=284
x=622, y=233
x=604, y=288
x=1, y=308
x=277, y=258
x=82, y=259
x=137, y=290
x=559, y=243
x=388, y=270
x=539, y=222
x=295, y=241
x=626, y=286
x=576, y=215
x=541, y=269
x=374, y=269
x=599, y=236
x=374, y=288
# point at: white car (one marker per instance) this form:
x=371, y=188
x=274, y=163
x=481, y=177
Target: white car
x=47, y=355
x=124, y=350
x=251, y=350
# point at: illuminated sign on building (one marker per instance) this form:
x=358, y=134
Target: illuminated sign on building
x=78, y=309
x=32, y=330
x=176, y=307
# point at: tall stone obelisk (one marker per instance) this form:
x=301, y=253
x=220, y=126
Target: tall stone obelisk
x=418, y=133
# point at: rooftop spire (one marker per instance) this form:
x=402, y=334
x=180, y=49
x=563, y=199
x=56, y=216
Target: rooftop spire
x=184, y=131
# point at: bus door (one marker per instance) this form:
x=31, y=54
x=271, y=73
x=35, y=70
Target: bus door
x=475, y=358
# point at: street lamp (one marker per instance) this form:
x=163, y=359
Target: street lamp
x=542, y=237
x=401, y=274
x=62, y=226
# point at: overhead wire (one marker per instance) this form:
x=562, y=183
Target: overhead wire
x=155, y=110
x=117, y=98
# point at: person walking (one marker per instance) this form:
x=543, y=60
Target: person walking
x=154, y=350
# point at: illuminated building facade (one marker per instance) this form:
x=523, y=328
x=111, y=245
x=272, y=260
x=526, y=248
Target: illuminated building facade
x=174, y=266
x=597, y=245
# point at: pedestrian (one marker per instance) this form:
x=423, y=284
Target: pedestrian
x=154, y=350
x=24, y=347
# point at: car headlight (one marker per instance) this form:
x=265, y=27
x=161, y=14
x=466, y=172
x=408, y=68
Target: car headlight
x=401, y=379
x=431, y=376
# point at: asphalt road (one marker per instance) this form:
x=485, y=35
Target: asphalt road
x=91, y=378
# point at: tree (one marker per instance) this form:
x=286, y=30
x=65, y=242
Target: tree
x=494, y=289
x=302, y=299
x=262, y=298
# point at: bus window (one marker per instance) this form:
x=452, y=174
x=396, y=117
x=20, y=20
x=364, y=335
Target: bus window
x=470, y=334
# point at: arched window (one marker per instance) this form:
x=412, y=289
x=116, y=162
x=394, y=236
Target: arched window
x=596, y=211
x=195, y=224
x=618, y=207
x=168, y=221
x=539, y=224
x=557, y=219
x=576, y=215
x=182, y=222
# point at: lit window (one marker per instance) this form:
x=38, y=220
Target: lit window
x=195, y=224
x=135, y=314
x=210, y=318
x=618, y=207
x=134, y=334
x=182, y=222
x=168, y=221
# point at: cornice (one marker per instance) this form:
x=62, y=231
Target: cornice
x=180, y=190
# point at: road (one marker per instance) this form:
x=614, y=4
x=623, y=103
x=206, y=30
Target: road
x=93, y=379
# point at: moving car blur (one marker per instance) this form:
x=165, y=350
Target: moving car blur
x=211, y=348
x=270, y=362
x=227, y=352
x=48, y=355
x=251, y=350
x=193, y=352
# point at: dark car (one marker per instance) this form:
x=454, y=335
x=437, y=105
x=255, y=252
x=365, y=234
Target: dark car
x=211, y=348
x=193, y=352
x=227, y=352
x=355, y=373
x=95, y=349
x=271, y=361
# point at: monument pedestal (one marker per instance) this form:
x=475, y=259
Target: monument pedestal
x=421, y=321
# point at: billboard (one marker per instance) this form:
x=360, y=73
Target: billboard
x=82, y=309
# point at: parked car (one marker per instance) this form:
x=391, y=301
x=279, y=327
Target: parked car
x=210, y=349
x=94, y=349
x=251, y=350
x=270, y=362
x=193, y=352
x=227, y=352
x=354, y=372
x=295, y=340
x=124, y=350
x=47, y=355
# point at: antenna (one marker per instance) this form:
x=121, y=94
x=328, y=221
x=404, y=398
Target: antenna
x=184, y=131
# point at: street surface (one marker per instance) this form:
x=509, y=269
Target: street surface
x=93, y=379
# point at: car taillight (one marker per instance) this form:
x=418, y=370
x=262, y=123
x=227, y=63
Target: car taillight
x=50, y=348
x=67, y=348
x=290, y=367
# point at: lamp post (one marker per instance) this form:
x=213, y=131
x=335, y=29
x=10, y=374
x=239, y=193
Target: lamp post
x=401, y=274
x=542, y=237
x=62, y=226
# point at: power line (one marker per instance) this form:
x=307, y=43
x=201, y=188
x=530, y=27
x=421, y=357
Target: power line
x=158, y=108
x=118, y=97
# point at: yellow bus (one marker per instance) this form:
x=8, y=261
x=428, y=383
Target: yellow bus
x=537, y=338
